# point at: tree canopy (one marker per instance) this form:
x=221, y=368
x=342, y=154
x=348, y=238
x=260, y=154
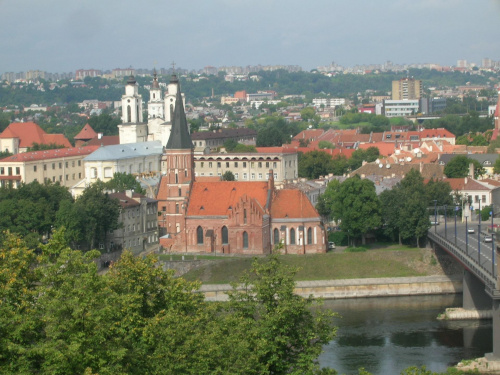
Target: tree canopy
x=458, y=167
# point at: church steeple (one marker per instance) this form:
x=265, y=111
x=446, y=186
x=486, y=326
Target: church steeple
x=179, y=136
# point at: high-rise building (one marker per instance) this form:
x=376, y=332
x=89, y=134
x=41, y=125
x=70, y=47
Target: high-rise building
x=406, y=89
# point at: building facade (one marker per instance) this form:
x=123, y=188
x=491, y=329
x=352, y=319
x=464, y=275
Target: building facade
x=407, y=89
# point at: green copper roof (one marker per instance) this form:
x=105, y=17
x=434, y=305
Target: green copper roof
x=179, y=135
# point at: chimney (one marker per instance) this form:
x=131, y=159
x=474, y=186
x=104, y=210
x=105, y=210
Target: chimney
x=471, y=170
x=99, y=135
x=270, y=183
x=129, y=193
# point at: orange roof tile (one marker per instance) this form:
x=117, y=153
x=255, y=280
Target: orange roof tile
x=86, y=133
x=384, y=148
x=282, y=208
x=216, y=198
x=29, y=133
x=50, y=154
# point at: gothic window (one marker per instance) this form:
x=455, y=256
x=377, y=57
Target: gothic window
x=225, y=239
x=245, y=240
x=177, y=208
x=309, y=236
x=180, y=192
x=129, y=114
x=176, y=178
x=154, y=96
x=244, y=216
x=199, y=235
x=276, y=236
x=292, y=236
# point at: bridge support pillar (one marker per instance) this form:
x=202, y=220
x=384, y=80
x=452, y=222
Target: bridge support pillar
x=495, y=356
x=474, y=294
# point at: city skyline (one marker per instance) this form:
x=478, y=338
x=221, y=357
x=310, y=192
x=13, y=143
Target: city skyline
x=59, y=36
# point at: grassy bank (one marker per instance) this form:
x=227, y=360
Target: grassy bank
x=387, y=261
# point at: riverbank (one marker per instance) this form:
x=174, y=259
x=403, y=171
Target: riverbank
x=359, y=288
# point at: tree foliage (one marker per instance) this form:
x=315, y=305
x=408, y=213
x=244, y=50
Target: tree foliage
x=122, y=181
x=59, y=316
x=458, y=167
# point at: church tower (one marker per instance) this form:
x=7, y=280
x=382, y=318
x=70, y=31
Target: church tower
x=132, y=129
x=155, y=105
x=170, y=98
x=178, y=175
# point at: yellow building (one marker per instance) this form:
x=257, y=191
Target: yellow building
x=407, y=88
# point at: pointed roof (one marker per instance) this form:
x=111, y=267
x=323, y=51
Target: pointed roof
x=155, y=84
x=30, y=132
x=180, y=138
x=86, y=133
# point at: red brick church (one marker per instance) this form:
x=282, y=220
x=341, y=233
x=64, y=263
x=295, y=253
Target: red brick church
x=207, y=216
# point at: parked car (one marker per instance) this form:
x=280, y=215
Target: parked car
x=331, y=245
x=434, y=222
x=470, y=230
x=488, y=239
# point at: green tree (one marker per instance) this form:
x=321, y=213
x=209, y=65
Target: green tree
x=369, y=155
x=228, y=176
x=496, y=166
x=314, y=164
x=40, y=147
x=356, y=207
x=325, y=144
x=285, y=330
x=230, y=144
x=458, y=167
x=122, y=181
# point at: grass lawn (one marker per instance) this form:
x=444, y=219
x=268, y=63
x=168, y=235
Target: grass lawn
x=387, y=261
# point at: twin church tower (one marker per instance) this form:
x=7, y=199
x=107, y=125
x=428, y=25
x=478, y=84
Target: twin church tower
x=160, y=112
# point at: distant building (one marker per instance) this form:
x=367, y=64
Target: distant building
x=62, y=165
x=401, y=108
x=19, y=136
x=407, y=89
x=80, y=74
x=139, y=223
x=121, y=73
x=218, y=137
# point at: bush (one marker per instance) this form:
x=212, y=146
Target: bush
x=340, y=238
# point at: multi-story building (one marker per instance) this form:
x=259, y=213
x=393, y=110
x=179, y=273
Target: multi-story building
x=139, y=219
x=328, y=102
x=400, y=108
x=217, y=138
x=407, y=88
x=249, y=166
x=63, y=165
x=80, y=74
x=120, y=73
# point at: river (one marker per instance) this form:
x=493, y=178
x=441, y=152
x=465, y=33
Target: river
x=387, y=335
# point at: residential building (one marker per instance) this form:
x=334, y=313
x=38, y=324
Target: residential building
x=80, y=74
x=63, y=165
x=401, y=108
x=139, y=223
x=216, y=138
x=407, y=89
x=249, y=166
x=19, y=136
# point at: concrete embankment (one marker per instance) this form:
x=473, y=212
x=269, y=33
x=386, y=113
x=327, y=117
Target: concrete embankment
x=458, y=313
x=359, y=288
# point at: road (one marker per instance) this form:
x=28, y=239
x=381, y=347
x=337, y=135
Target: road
x=471, y=244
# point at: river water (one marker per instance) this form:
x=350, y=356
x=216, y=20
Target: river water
x=387, y=335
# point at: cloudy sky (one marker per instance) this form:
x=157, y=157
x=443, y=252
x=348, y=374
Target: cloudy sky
x=65, y=35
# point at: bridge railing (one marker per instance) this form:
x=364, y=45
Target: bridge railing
x=470, y=263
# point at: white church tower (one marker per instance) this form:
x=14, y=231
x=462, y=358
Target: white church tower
x=170, y=98
x=132, y=129
x=155, y=105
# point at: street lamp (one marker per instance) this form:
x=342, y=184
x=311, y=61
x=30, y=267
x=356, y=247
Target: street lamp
x=466, y=236
x=445, y=224
x=435, y=215
x=456, y=209
x=479, y=244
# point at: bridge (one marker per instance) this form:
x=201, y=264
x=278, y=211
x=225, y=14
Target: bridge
x=474, y=246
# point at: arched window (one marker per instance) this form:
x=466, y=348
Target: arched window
x=129, y=113
x=225, y=236
x=292, y=236
x=309, y=236
x=245, y=240
x=276, y=236
x=199, y=235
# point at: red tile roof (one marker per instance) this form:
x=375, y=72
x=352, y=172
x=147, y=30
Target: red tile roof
x=385, y=148
x=216, y=198
x=50, y=154
x=106, y=140
x=86, y=133
x=282, y=206
x=29, y=133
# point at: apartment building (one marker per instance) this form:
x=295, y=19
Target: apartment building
x=249, y=167
x=407, y=89
x=64, y=166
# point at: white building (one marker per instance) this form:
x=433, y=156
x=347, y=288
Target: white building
x=401, y=108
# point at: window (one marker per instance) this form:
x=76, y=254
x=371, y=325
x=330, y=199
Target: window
x=2, y=170
x=53, y=165
x=45, y=167
x=73, y=163
x=73, y=176
x=483, y=198
x=227, y=164
x=253, y=176
x=180, y=192
x=252, y=164
x=245, y=240
x=199, y=235
x=34, y=168
x=275, y=165
x=80, y=175
x=244, y=216
x=309, y=236
x=108, y=172
x=236, y=164
x=210, y=164
x=236, y=176
x=60, y=165
x=260, y=176
x=79, y=163
x=18, y=171
x=225, y=236
x=244, y=164
x=202, y=164
x=53, y=178
x=245, y=176
x=164, y=208
x=267, y=164
x=177, y=208
x=292, y=236
x=276, y=236
x=93, y=172
x=260, y=164
x=67, y=177
x=66, y=164
x=218, y=164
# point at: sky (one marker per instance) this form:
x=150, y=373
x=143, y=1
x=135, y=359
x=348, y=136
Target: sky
x=64, y=35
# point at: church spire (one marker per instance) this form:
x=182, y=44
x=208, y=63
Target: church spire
x=155, y=84
x=179, y=136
